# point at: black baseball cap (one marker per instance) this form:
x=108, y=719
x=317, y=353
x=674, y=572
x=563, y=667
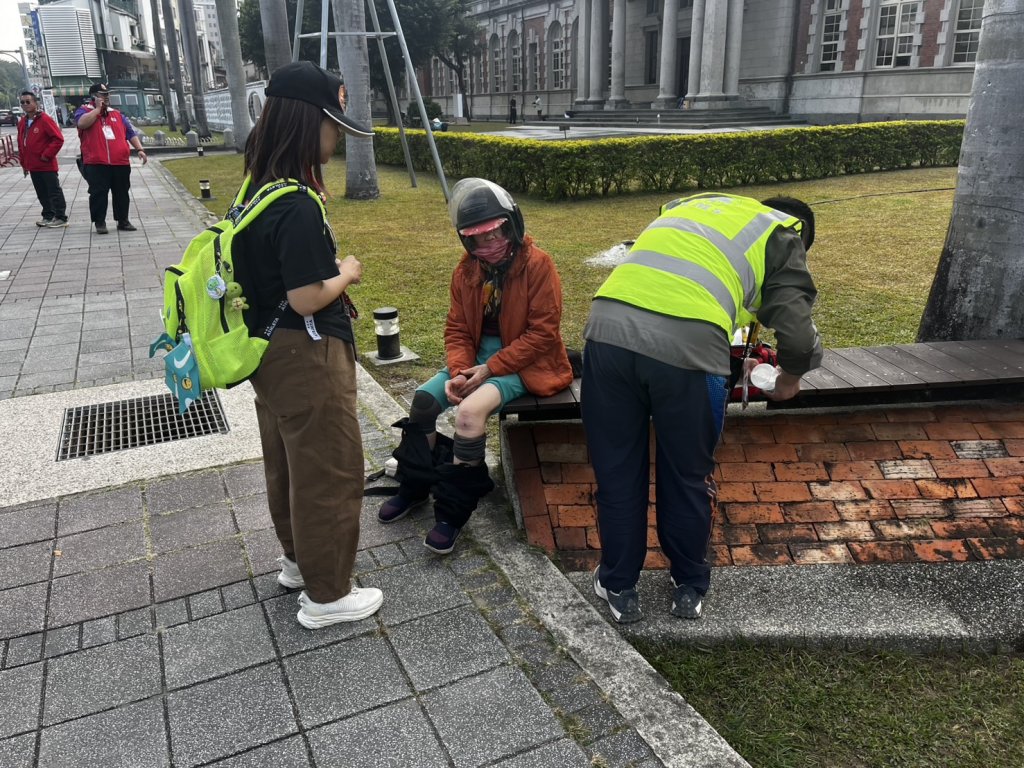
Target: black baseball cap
x=97, y=88
x=305, y=81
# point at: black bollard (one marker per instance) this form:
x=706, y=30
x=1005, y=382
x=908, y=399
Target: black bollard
x=204, y=190
x=385, y=325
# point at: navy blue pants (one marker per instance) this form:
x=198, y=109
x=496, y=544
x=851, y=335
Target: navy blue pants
x=622, y=392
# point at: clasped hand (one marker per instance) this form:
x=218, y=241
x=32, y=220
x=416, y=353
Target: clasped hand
x=465, y=383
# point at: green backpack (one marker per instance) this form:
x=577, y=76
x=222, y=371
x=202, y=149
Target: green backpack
x=207, y=342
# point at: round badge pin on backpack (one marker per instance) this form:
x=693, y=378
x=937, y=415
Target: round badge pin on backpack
x=216, y=287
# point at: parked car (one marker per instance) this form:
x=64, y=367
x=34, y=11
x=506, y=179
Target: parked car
x=7, y=117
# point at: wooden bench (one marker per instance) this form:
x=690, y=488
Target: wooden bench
x=942, y=370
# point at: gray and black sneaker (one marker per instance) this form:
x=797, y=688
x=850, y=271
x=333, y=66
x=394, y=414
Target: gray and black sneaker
x=624, y=605
x=686, y=601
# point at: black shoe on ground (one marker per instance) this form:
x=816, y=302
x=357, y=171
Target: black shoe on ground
x=101, y=227
x=126, y=226
x=686, y=602
x=624, y=605
x=398, y=507
x=441, y=539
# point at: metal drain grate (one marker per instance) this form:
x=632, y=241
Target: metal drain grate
x=107, y=427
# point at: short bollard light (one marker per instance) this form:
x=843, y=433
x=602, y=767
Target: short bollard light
x=199, y=150
x=385, y=325
x=204, y=190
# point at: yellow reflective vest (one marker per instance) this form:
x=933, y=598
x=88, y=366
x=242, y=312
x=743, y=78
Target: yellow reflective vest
x=701, y=259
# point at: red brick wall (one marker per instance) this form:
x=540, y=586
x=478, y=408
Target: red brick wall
x=899, y=484
x=930, y=28
x=853, y=34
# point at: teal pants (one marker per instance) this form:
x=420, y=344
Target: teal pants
x=510, y=386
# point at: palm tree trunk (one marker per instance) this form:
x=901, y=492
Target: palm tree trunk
x=360, y=166
x=188, y=13
x=227, y=20
x=276, y=42
x=979, y=283
x=176, y=71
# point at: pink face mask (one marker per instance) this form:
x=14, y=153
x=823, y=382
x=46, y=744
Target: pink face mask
x=493, y=251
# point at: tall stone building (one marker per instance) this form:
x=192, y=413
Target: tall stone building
x=822, y=60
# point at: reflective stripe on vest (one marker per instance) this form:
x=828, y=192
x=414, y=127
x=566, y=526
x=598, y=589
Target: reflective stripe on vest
x=706, y=273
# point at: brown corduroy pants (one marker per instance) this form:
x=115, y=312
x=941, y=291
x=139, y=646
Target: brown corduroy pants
x=312, y=455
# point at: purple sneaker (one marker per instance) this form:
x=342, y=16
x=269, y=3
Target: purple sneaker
x=398, y=507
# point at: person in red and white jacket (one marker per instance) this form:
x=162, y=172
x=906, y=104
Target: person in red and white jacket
x=39, y=141
x=106, y=157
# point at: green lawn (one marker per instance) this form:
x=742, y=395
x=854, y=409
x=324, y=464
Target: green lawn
x=878, y=241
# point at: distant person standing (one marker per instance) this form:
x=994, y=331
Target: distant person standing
x=106, y=156
x=39, y=141
x=536, y=105
x=512, y=115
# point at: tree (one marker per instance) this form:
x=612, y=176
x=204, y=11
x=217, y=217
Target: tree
x=360, y=167
x=976, y=293
x=459, y=45
x=227, y=20
x=191, y=36
x=276, y=40
x=161, y=66
x=176, y=74
x=250, y=33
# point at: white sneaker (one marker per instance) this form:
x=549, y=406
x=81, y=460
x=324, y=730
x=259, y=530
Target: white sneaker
x=357, y=604
x=290, y=576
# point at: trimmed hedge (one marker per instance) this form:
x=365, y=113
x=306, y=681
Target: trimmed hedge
x=572, y=169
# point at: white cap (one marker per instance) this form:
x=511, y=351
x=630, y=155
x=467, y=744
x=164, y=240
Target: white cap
x=763, y=376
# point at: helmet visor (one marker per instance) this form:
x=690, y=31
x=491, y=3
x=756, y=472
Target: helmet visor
x=483, y=226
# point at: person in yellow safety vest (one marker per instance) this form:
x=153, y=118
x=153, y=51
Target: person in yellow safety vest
x=657, y=351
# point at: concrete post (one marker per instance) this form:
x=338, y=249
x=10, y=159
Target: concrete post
x=618, y=92
x=598, y=52
x=582, y=52
x=734, y=46
x=160, y=139
x=192, y=139
x=696, y=49
x=667, y=87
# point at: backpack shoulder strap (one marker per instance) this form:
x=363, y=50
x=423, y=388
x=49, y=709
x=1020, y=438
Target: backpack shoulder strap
x=268, y=193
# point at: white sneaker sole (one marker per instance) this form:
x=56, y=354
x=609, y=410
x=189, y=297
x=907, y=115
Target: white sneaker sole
x=316, y=622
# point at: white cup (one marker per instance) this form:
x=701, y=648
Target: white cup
x=763, y=377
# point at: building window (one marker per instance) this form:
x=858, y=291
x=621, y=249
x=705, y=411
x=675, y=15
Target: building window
x=652, y=66
x=653, y=7
x=497, y=70
x=897, y=23
x=557, y=56
x=831, y=34
x=968, y=30
x=516, y=59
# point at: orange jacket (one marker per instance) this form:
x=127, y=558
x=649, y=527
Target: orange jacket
x=530, y=320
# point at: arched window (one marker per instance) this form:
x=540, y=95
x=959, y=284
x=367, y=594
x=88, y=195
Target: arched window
x=497, y=68
x=556, y=56
x=515, y=60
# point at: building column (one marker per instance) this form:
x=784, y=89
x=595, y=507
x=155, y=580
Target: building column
x=598, y=52
x=582, y=53
x=618, y=92
x=734, y=47
x=696, y=48
x=712, y=64
x=667, y=87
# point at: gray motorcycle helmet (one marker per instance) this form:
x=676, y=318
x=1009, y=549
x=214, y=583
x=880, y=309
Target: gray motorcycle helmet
x=474, y=201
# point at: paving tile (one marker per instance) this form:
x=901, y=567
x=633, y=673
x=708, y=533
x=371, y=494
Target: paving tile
x=196, y=570
x=24, y=650
x=201, y=650
x=494, y=715
x=237, y=595
x=171, y=613
x=25, y=564
x=574, y=698
x=622, y=748
x=184, y=492
x=395, y=736
x=598, y=720
x=133, y=735
x=292, y=637
x=18, y=752
x=178, y=530
x=365, y=669
x=436, y=591
x=20, y=691
x=205, y=604
x=83, y=683
x=263, y=549
x=132, y=623
x=564, y=753
x=61, y=641
x=252, y=512
x=267, y=587
x=96, y=510
x=99, y=593
x=245, y=480
x=225, y=716
x=27, y=524
x=22, y=609
x=518, y=635
x=98, y=549
x=439, y=649
x=290, y=753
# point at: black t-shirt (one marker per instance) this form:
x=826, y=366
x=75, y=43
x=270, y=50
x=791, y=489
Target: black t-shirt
x=286, y=247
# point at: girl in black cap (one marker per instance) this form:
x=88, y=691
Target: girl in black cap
x=305, y=385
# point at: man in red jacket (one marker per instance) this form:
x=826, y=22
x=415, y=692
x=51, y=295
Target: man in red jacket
x=106, y=157
x=39, y=141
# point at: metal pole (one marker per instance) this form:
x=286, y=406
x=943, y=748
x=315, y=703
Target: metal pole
x=298, y=28
x=395, y=106
x=324, y=7
x=415, y=88
x=24, y=69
